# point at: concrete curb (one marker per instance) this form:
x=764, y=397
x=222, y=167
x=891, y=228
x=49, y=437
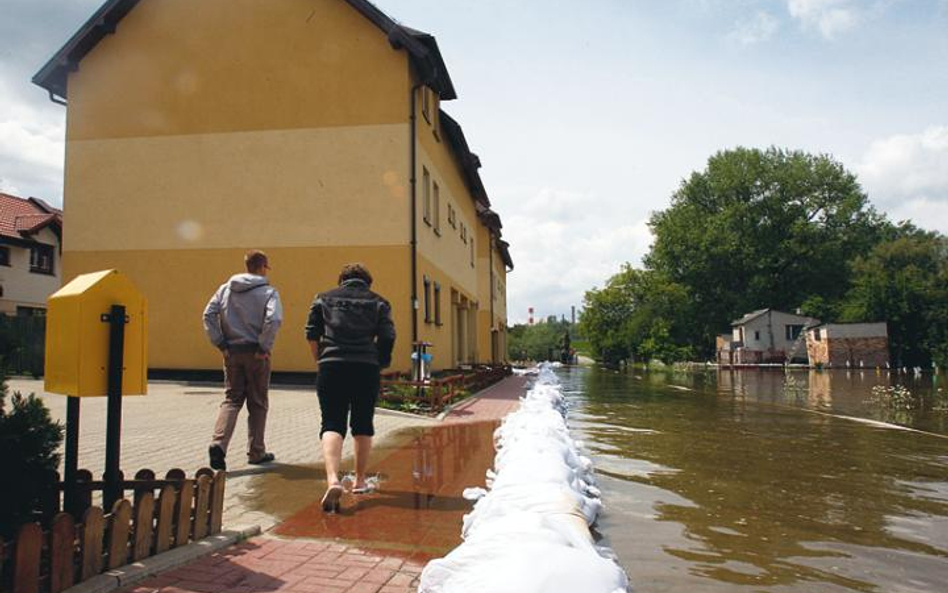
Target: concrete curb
x=137, y=571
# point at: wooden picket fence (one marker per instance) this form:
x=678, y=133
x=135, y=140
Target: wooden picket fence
x=441, y=391
x=69, y=552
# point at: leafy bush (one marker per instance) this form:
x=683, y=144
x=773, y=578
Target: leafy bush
x=29, y=439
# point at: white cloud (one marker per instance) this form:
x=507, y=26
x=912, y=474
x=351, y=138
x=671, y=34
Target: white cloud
x=31, y=153
x=563, y=243
x=756, y=29
x=831, y=17
x=907, y=175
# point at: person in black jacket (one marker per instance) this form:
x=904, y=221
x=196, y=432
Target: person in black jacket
x=351, y=335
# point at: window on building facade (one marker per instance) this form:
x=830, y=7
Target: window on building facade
x=426, y=195
x=452, y=217
x=793, y=331
x=41, y=259
x=30, y=312
x=427, y=296
x=472, y=252
x=818, y=335
x=437, y=303
x=436, y=210
x=4, y=256
x=463, y=233
x=757, y=335
x=426, y=103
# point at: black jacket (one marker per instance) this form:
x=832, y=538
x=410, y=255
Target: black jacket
x=352, y=324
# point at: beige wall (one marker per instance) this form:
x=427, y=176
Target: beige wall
x=182, y=67
x=24, y=288
x=282, y=188
x=178, y=283
x=200, y=130
x=447, y=251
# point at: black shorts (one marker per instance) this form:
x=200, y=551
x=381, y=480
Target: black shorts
x=345, y=387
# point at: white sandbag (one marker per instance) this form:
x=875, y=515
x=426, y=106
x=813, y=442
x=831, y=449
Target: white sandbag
x=529, y=529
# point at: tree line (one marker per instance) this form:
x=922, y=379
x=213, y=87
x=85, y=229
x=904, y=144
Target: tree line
x=780, y=229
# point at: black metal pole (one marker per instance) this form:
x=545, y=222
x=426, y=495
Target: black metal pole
x=71, y=462
x=113, y=431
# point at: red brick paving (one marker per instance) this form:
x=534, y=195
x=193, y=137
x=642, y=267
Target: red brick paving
x=493, y=403
x=264, y=564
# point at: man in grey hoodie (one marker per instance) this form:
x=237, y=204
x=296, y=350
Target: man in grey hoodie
x=241, y=320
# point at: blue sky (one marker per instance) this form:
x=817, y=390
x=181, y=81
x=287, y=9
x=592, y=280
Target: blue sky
x=588, y=113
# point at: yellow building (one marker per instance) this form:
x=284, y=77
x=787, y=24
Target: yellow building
x=311, y=129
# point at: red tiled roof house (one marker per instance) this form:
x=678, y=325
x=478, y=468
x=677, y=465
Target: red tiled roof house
x=30, y=251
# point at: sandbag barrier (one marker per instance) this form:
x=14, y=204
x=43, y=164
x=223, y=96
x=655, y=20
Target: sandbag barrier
x=529, y=530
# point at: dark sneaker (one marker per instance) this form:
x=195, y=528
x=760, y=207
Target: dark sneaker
x=217, y=456
x=265, y=458
x=330, y=502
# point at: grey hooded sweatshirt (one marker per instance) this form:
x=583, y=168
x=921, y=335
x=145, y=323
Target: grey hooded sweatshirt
x=245, y=312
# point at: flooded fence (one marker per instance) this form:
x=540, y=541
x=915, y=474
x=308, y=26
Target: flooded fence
x=66, y=548
x=439, y=392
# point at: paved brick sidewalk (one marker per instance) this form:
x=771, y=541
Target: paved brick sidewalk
x=266, y=564
x=171, y=427
x=493, y=403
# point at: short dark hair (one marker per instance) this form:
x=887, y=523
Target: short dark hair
x=255, y=259
x=356, y=270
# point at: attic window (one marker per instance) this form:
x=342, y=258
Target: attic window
x=426, y=195
x=426, y=103
x=436, y=210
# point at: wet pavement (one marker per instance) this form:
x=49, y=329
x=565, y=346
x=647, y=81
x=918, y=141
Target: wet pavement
x=418, y=506
x=378, y=542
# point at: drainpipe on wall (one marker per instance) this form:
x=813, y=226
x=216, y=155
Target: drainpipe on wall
x=490, y=265
x=414, y=221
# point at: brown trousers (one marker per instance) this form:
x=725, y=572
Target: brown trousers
x=246, y=380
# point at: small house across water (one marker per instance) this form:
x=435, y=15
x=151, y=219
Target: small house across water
x=848, y=345
x=765, y=336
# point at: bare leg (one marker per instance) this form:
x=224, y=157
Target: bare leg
x=332, y=456
x=363, y=447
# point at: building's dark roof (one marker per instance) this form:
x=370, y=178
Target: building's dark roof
x=505, y=253
x=749, y=317
x=490, y=218
x=422, y=47
x=755, y=314
x=469, y=161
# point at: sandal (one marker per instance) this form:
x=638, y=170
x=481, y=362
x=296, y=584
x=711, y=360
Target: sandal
x=330, y=501
x=367, y=489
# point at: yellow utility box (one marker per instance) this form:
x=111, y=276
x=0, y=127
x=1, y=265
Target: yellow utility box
x=77, y=338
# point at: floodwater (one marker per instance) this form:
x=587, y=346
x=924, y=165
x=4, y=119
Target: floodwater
x=761, y=481
x=754, y=481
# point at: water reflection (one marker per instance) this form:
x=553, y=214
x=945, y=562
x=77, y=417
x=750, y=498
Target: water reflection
x=418, y=507
x=736, y=486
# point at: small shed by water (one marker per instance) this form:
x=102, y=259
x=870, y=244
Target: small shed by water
x=841, y=345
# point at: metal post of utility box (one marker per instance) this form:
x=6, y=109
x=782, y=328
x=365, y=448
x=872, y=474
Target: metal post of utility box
x=113, y=428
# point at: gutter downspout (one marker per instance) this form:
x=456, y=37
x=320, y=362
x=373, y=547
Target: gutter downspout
x=413, y=120
x=490, y=264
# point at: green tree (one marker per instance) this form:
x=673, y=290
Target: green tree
x=535, y=342
x=639, y=313
x=904, y=281
x=29, y=439
x=760, y=229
